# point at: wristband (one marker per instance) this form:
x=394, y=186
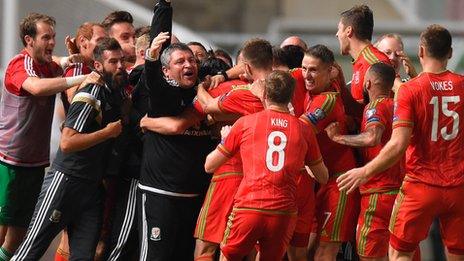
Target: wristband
x=223, y=73
x=148, y=56
x=74, y=80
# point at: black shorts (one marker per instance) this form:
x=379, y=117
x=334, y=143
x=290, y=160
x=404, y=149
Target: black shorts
x=64, y=202
x=166, y=225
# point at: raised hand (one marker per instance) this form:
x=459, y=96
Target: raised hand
x=407, y=64
x=157, y=44
x=70, y=44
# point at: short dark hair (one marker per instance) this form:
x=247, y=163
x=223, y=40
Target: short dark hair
x=359, y=17
x=437, y=41
x=295, y=54
x=211, y=66
x=117, y=17
x=279, y=87
x=258, y=52
x=166, y=55
x=105, y=44
x=28, y=26
x=280, y=57
x=385, y=73
x=197, y=44
x=322, y=53
x=223, y=53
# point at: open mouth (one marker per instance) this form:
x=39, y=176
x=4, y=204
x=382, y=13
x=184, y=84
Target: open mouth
x=309, y=83
x=48, y=51
x=189, y=74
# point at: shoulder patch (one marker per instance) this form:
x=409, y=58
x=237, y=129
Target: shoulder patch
x=370, y=113
x=370, y=56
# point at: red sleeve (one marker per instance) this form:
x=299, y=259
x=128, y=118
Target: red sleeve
x=17, y=72
x=375, y=114
x=319, y=114
x=76, y=69
x=231, y=144
x=404, y=113
x=70, y=71
x=313, y=154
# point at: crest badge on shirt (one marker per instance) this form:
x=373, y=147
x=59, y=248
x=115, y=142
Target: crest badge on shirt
x=370, y=113
x=356, y=77
x=155, y=234
x=55, y=217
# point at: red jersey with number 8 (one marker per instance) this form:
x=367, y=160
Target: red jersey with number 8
x=433, y=106
x=274, y=147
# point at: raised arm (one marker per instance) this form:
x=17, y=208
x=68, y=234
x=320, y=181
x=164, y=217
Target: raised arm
x=161, y=21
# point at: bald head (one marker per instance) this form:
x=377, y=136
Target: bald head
x=294, y=40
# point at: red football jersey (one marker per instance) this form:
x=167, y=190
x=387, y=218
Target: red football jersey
x=240, y=100
x=299, y=94
x=431, y=105
x=23, y=66
x=273, y=152
x=221, y=89
x=323, y=109
x=368, y=56
x=380, y=112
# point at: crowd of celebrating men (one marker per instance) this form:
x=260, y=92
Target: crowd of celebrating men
x=169, y=151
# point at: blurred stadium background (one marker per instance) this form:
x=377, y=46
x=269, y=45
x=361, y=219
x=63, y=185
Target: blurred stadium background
x=228, y=23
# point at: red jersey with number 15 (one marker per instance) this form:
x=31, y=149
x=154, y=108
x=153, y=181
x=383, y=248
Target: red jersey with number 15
x=273, y=152
x=433, y=106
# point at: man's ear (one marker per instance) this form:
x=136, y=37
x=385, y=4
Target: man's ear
x=98, y=66
x=421, y=51
x=349, y=31
x=165, y=71
x=247, y=68
x=450, y=54
x=83, y=42
x=28, y=39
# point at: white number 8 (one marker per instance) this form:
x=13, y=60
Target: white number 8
x=272, y=147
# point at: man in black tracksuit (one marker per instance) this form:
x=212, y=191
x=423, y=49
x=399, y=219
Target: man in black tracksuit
x=71, y=195
x=172, y=180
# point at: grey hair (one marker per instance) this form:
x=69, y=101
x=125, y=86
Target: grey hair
x=166, y=55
